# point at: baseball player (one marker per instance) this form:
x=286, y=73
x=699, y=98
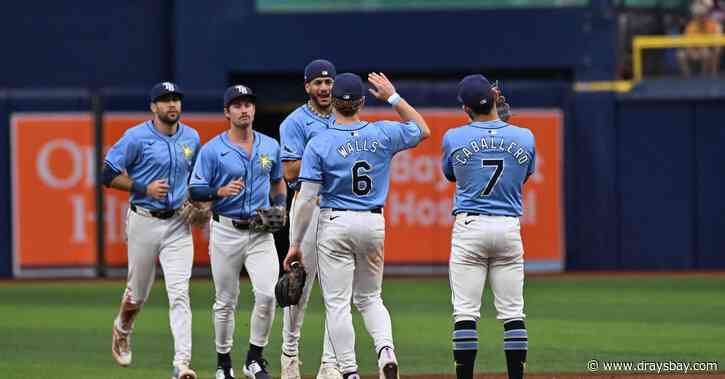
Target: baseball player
x=240, y=172
x=348, y=165
x=153, y=161
x=489, y=160
x=296, y=130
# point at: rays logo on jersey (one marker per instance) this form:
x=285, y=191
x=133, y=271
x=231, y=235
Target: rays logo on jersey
x=188, y=152
x=265, y=162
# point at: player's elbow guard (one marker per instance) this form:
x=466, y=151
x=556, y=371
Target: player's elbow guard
x=108, y=175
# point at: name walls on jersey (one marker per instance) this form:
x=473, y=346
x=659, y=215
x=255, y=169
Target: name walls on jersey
x=54, y=176
x=358, y=146
x=421, y=196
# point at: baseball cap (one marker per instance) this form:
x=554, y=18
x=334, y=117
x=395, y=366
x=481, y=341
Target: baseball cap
x=319, y=68
x=474, y=91
x=164, y=88
x=234, y=92
x=348, y=86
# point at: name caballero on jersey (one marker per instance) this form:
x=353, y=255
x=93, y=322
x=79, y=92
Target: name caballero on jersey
x=357, y=146
x=492, y=144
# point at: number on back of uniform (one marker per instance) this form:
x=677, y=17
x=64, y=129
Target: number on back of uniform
x=361, y=183
x=497, y=165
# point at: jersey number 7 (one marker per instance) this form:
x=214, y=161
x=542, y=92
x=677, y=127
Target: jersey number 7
x=498, y=164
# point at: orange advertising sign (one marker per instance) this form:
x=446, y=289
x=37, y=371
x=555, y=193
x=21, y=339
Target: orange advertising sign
x=418, y=209
x=54, y=202
x=117, y=201
x=54, y=205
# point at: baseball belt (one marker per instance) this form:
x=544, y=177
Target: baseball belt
x=234, y=223
x=160, y=214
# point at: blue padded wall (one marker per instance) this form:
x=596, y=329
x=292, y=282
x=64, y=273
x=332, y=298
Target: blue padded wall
x=656, y=184
x=710, y=184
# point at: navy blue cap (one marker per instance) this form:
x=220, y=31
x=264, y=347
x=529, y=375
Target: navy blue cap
x=164, y=88
x=319, y=68
x=234, y=92
x=348, y=87
x=474, y=91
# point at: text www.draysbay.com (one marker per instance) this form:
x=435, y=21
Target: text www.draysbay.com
x=596, y=365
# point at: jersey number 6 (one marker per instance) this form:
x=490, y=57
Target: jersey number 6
x=361, y=183
x=498, y=164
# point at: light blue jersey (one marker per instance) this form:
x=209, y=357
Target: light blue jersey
x=148, y=155
x=221, y=161
x=489, y=161
x=352, y=162
x=297, y=130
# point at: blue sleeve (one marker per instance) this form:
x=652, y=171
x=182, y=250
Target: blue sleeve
x=404, y=135
x=276, y=174
x=197, y=149
x=446, y=163
x=532, y=163
x=204, y=168
x=311, y=170
x=292, y=140
x=123, y=153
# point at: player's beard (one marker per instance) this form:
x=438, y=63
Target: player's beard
x=170, y=120
x=323, y=107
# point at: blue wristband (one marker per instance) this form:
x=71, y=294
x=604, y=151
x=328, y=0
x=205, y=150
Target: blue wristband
x=279, y=200
x=138, y=188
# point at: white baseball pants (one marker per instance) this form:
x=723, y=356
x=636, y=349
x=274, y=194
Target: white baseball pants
x=487, y=247
x=350, y=264
x=170, y=240
x=294, y=315
x=230, y=248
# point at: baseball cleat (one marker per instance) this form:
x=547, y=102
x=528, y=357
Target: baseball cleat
x=121, y=346
x=224, y=373
x=328, y=372
x=290, y=367
x=183, y=372
x=388, y=364
x=257, y=369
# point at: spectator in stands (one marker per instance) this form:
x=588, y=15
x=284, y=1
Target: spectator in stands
x=707, y=57
x=717, y=13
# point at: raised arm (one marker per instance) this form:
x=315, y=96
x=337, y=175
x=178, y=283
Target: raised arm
x=385, y=91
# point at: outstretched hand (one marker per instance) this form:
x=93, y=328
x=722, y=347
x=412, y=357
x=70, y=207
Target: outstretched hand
x=382, y=87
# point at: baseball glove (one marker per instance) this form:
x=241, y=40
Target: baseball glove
x=288, y=290
x=270, y=220
x=195, y=213
x=503, y=108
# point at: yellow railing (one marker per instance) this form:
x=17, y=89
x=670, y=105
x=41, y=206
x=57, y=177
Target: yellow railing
x=640, y=43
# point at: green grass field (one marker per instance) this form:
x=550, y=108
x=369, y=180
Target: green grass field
x=63, y=329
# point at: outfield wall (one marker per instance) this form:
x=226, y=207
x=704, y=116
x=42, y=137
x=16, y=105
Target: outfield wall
x=641, y=176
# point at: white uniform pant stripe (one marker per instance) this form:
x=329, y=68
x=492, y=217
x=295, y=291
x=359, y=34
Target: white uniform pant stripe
x=230, y=249
x=170, y=240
